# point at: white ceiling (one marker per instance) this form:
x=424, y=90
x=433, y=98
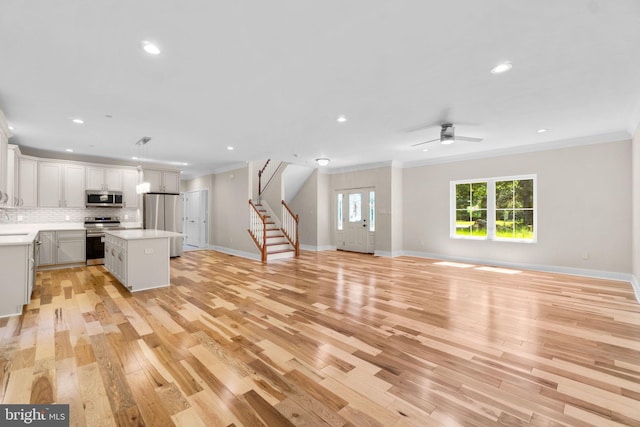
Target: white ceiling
x=271, y=77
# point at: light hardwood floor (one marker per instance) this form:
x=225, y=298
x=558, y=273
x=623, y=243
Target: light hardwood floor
x=331, y=338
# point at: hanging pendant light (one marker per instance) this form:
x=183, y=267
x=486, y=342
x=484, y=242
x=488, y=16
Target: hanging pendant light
x=142, y=186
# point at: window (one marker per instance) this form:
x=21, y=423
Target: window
x=471, y=209
x=495, y=208
x=355, y=207
x=340, y=211
x=514, y=209
x=372, y=211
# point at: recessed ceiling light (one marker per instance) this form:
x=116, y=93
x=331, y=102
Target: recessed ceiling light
x=150, y=48
x=230, y=148
x=68, y=150
x=11, y=128
x=78, y=121
x=341, y=119
x=501, y=68
x=541, y=130
x=425, y=149
x=185, y=164
x=134, y=158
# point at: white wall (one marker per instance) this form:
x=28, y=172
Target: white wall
x=230, y=212
x=584, y=208
x=635, y=253
x=305, y=205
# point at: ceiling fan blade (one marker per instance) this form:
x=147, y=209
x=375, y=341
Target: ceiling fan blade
x=468, y=138
x=425, y=142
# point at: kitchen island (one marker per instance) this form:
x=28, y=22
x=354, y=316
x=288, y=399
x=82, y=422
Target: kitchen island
x=139, y=259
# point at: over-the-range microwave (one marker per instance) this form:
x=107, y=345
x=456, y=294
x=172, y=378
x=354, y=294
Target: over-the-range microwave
x=104, y=199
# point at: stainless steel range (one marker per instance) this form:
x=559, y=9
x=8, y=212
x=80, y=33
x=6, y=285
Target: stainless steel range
x=96, y=227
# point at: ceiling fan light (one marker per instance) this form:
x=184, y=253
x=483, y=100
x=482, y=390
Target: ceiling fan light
x=447, y=141
x=322, y=161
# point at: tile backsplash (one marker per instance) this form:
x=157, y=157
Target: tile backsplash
x=44, y=215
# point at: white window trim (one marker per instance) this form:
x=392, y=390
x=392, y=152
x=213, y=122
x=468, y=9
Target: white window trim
x=491, y=208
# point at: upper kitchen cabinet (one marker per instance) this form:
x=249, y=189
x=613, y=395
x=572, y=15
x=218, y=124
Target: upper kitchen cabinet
x=61, y=185
x=104, y=178
x=162, y=181
x=5, y=133
x=27, y=187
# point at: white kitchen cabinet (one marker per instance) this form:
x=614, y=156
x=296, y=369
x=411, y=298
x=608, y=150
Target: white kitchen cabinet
x=4, y=144
x=16, y=263
x=98, y=178
x=62, y=247
x=130, y=179
x=163, y=181
x=71, y=246
x=12, y=175
x=47, y=255
x=139, y=259
x=27, y=182
x=61, y=185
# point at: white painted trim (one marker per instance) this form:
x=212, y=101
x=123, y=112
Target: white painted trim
x=228, y=168
x=242, y=254
x=367, y=166
x=317, y=248
x=636, y=287
x=530, y=148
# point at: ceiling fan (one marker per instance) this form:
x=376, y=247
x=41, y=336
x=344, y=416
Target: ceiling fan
x=448, y=136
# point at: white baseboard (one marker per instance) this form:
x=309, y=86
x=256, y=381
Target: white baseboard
x=599, y=274
x=636, y=286
x=242, y=254
x=317, y=248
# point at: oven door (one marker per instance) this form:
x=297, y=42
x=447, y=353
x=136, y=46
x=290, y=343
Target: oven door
x=95, y=248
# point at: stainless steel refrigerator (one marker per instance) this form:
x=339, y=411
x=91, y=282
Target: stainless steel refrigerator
x=164, y=212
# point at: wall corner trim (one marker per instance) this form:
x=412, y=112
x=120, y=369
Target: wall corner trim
x=636, y=287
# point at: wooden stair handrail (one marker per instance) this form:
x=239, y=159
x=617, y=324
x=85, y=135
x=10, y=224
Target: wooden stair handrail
x=295, y=242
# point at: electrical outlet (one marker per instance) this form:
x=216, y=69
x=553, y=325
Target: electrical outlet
x=148, y=251
x=126, y=217
x=20, y=218
x=67, y=218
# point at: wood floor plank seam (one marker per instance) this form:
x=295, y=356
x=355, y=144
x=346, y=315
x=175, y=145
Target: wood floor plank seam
x=329, y=339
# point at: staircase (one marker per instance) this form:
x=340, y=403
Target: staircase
x=273, y=241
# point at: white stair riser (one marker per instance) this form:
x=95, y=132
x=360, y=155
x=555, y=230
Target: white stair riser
x=279, y=239
x=280, y=247
x=281, y=255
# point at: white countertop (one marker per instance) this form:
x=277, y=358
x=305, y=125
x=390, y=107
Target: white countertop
x=25, y=234
x=142, y=234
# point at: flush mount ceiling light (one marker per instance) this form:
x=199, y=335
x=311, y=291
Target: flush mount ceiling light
x=341, y=119
x=503, y=67
x=541, y=130
x=78, y=121
x=68, y=150
x=323, y=161
x=230, y=148
x=150, y=48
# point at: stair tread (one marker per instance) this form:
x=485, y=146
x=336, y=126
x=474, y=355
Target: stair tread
x=280, y=251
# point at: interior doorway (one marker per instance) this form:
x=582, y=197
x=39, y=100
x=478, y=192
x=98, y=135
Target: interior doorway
x=356, y=220
x=196, y=213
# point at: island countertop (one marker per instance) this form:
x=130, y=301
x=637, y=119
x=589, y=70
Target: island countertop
x=142, y=234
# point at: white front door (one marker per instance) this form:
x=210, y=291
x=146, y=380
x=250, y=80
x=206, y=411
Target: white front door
x=356, y=220
x=195, y=215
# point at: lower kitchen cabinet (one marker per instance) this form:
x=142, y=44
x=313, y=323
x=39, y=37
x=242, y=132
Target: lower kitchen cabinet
x=140, y=262
x=17, y=263
x=62, y=247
